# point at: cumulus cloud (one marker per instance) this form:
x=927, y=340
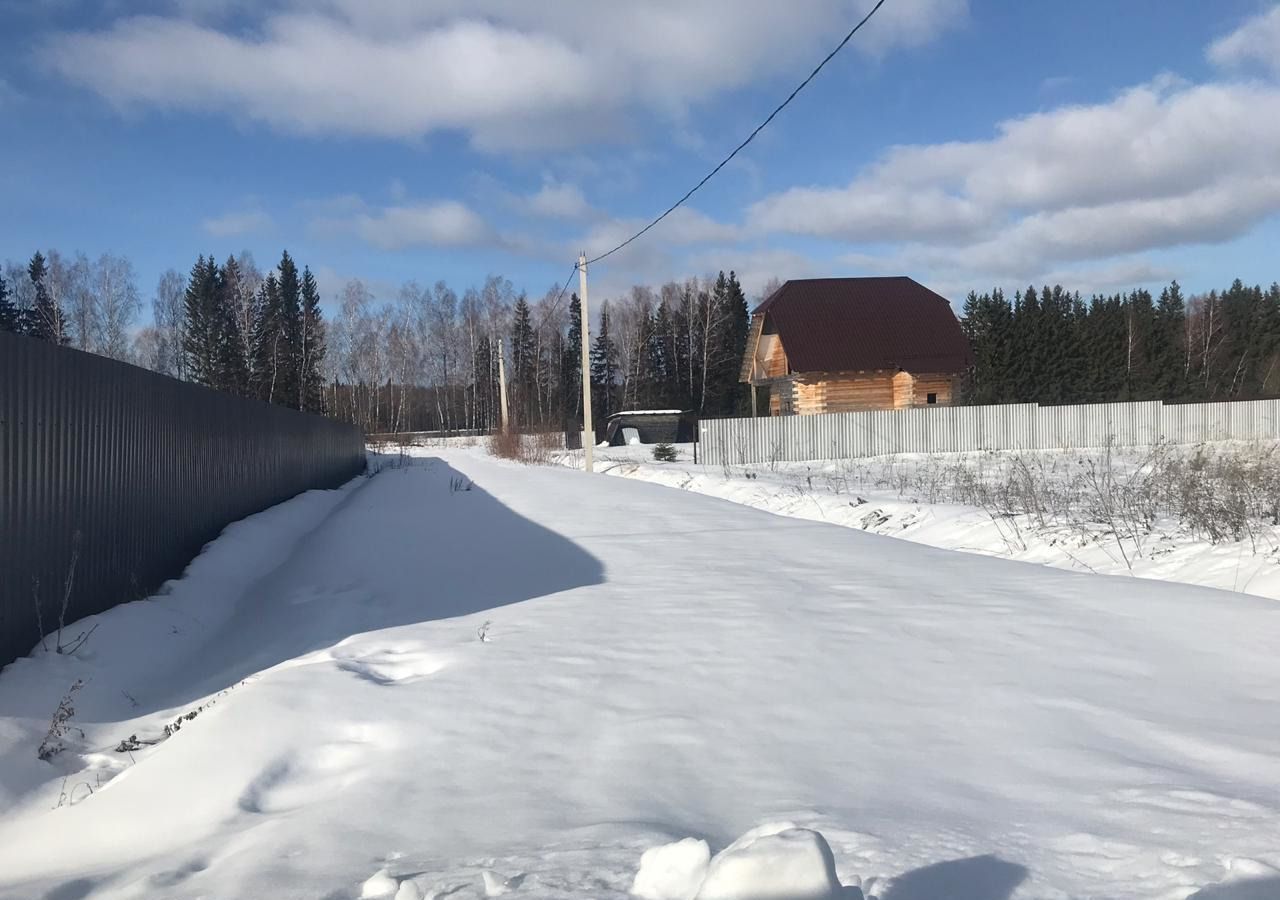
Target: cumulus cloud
x=1257, y=41
x=556, y=200
x=1162, y=164
x=508, y=73
x=234, y=224
x=446, y=223
x=683, y=228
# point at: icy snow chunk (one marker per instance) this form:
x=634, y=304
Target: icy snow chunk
x=672, y=871
x=495, y=884
x=408, y=891
x=773, y=862
x=379, y=886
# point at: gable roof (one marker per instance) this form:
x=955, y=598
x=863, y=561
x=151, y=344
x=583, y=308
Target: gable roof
x=863, y=324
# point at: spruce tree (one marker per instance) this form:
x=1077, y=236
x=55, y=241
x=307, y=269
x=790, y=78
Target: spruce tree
x=1168, y=345
x=270, y=344
x=232, y=368
x=987, y=322
x=571, y=367
x=289, y=321
x=44, y=320
x=604, y=371
x=1026, y=352
x=486, y=402
x=8, y=310
x=523, y=363
x=202, y=333
x=657, y=374
x=736, y=321
x=312, y=345
x=1269, y=364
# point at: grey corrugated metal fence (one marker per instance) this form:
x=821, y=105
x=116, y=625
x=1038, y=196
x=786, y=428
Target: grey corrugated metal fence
x=134, y=472
x=943, y=429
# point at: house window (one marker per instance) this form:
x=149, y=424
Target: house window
x=931, y=398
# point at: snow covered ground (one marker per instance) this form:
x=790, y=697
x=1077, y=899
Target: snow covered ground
x=470, y=678
x=890, y=496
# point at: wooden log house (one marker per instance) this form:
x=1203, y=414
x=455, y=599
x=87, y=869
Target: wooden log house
x=826, y=345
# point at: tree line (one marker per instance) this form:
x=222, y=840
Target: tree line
x=429, y=358
x=1052, y=346
x=224, y=326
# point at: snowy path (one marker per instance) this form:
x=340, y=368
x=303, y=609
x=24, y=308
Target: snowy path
x=661, y=665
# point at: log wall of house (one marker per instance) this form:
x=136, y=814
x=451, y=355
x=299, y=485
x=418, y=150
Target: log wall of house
x=854, y=392
x=944, y=386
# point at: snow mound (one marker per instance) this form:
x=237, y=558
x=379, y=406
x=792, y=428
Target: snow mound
x=672, y=871
x=408, y=891
x=378, y=886
x=778, y=861
x=773, y=862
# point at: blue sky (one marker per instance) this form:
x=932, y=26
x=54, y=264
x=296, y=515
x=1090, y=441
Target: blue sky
x=964, y=142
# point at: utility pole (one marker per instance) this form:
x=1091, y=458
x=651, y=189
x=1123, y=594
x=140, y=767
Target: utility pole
x=588, y=433
x=502, y=387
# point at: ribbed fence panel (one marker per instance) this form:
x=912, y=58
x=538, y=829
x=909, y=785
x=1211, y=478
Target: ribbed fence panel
x=131, y=473
x=1023, y=426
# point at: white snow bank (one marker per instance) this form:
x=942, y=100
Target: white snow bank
x=773, y=862
x=378, y=886
x=672, y=871
x=778, y=861
x=954, y=725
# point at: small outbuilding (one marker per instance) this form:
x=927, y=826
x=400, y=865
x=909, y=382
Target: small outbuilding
x=650, y=426
x=825, y=345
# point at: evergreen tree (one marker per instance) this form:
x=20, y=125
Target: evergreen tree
x=202, y=334
x=1026, y=369
x=8, y=310
x=1168, y=345
x=44, y=320
x=311, y=345
x=571, y=367
x=524, y=363
x=988, y=323
x=270, y=343
x=657, y=388
x=232, y=368
x=1269, y=369
x=485, y=381
x=1103, y=336
x=604, y=371
x=735, y=319
x=1139, y=330
x=289, y=321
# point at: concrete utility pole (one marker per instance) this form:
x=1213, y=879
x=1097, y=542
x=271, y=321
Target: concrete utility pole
x=502, y=387
x=588, y=433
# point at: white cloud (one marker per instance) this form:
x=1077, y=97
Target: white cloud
x=683, y=227
x=446, y=223
x=508, y=73
x=1161, y=165
x=1257, y=41
x=234, y=224
x=557, y=201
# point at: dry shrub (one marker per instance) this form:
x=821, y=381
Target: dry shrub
x=1221, y=493
x=530, y=449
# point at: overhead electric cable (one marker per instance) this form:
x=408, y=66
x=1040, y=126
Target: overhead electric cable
x=736, y=150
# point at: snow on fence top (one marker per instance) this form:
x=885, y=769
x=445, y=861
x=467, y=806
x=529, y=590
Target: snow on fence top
x=647, y=412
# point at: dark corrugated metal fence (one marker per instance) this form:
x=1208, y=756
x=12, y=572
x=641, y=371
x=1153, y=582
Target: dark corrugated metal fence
x=133, y=472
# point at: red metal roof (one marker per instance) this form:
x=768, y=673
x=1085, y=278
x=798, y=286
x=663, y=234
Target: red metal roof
x=861, y=324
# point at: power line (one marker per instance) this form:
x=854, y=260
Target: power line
x=783, y=105
x=555, y=304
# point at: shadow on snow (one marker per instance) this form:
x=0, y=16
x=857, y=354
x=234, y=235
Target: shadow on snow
x=409, y=545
